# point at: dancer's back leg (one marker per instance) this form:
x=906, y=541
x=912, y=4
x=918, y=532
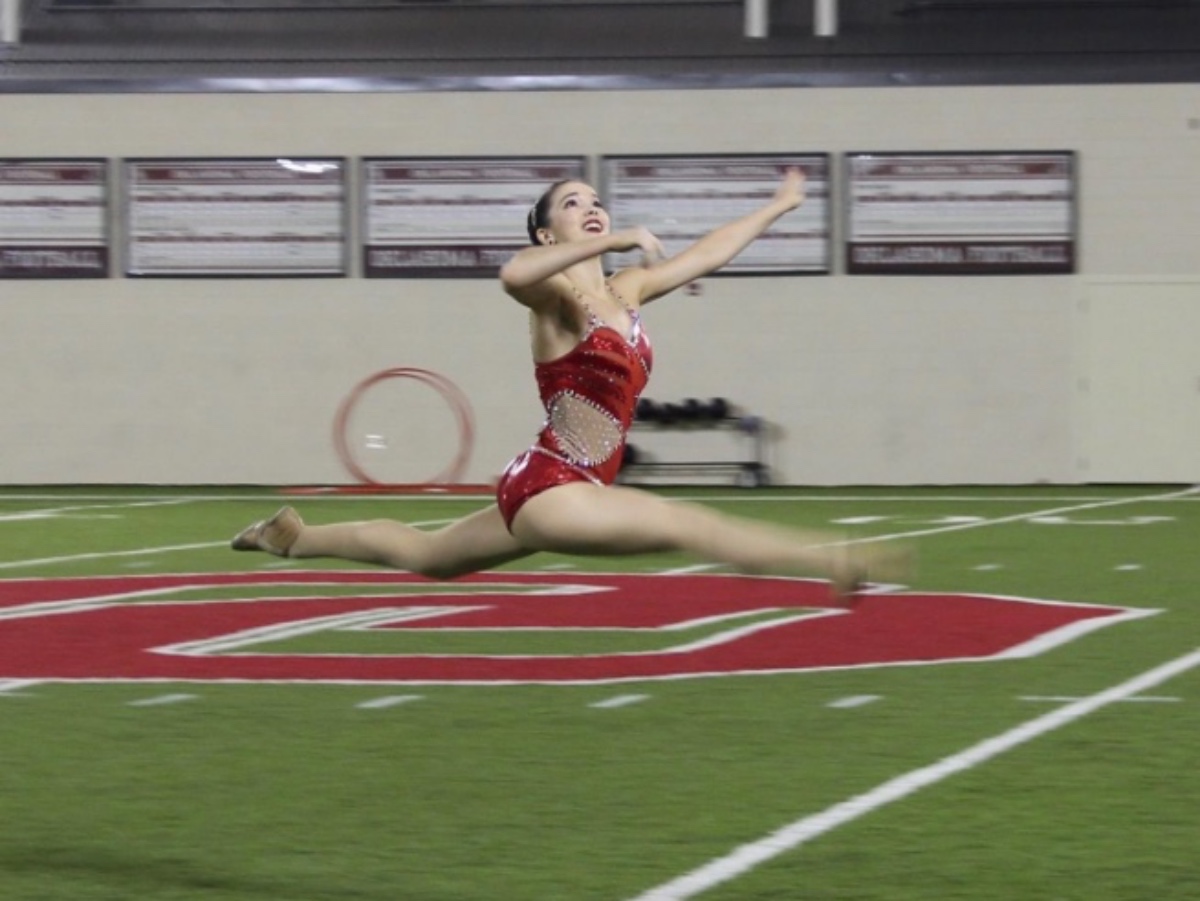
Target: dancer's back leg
x=582, y=518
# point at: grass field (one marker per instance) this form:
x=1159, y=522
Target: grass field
x=182, y=723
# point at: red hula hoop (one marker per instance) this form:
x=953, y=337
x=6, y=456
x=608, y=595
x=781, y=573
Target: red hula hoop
x=452, y=394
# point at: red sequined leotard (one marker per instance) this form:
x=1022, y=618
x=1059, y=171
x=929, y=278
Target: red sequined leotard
x=590, y=394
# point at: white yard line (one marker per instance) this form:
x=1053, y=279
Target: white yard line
x=618, y=701
x=162, y=700
x=1067, y=699
x=747, y=857
x=854, y=701
x=388, y=701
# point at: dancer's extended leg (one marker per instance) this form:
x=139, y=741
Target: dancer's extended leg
x=582, y=518
x=476, y=542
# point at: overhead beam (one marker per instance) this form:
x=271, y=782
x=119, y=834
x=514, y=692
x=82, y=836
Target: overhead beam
x=10, y=21
x=757, y=18
x=825, y=18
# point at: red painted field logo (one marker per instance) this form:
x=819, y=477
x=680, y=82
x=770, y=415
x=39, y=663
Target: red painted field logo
x=384, y=627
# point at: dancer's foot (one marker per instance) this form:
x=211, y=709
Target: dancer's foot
x=860, y=565
x=275, y=535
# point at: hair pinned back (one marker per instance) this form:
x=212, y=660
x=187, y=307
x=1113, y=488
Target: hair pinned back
x=539, y=213
x=531, y=223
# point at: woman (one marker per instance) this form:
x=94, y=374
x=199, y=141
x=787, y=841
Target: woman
x=591, y=361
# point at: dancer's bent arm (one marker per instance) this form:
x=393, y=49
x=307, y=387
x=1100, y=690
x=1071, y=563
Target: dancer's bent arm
x=529, y=273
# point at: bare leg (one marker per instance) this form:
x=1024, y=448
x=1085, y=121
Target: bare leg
x=476, y=542
x=582, y=518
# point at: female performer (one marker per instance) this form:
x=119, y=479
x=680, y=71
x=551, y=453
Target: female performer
x=592, y=359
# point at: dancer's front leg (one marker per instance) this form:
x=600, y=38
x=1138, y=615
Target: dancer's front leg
x=475, y=542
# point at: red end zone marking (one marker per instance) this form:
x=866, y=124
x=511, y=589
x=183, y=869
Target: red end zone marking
x=114, y=640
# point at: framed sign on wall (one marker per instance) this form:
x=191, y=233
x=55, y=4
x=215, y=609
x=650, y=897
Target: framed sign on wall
x=681, y=198
x=54, y=218
x=283, y=216
x=982, y=213
x=451, y=217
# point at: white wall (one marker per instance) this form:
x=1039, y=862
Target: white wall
x=870, y=379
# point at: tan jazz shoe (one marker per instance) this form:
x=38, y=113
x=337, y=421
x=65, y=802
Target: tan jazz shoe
x=275, y=535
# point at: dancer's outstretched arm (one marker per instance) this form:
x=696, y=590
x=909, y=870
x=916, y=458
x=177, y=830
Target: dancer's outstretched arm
x=715, y=249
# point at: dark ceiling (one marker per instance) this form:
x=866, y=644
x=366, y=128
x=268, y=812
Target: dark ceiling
x=113, y=45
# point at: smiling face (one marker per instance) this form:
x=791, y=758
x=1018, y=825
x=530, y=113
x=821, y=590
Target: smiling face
x=572, y=211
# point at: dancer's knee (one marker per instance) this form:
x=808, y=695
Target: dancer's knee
x=397, y=545
x=422, y=556
x=446, y=555
x=441, y=570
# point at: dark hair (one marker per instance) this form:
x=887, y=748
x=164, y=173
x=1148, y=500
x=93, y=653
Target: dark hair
x=539, y=213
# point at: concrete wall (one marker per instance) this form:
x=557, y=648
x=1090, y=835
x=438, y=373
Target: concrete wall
x=869, y=380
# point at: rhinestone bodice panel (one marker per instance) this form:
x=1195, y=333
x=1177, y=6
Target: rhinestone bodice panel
x=590, y=394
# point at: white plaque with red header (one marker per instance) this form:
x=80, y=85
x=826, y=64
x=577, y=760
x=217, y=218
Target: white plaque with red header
x=53, y=218
x=960, y=213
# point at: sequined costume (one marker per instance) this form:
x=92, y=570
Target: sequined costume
x=589, y=394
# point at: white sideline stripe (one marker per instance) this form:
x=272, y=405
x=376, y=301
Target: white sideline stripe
x=389, y=701
x=161, y=700
x=167, y=549
x=88, y=508
x=747, y=857
x=854, y=701
x=619, y=701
